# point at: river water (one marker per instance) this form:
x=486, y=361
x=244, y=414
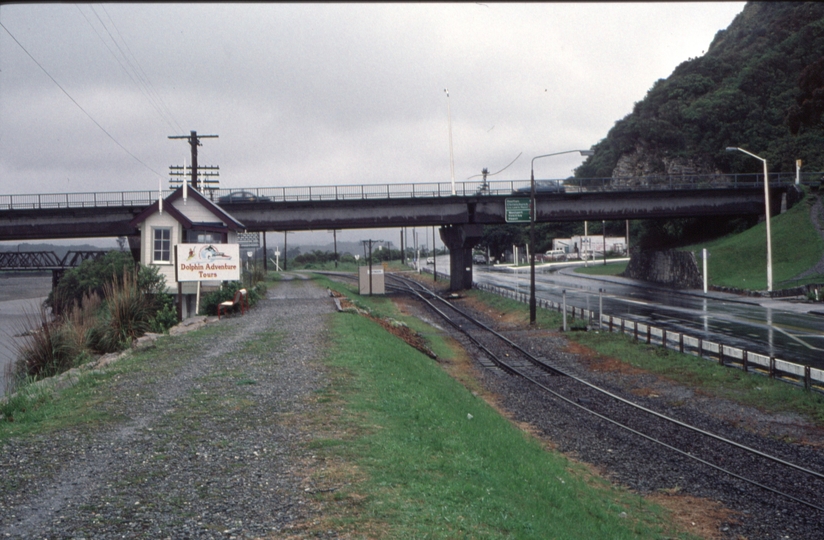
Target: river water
x=19, y=294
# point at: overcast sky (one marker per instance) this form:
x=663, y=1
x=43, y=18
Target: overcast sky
x=320, y=94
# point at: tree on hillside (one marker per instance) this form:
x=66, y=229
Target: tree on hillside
x=760, y=82
x=808, y=111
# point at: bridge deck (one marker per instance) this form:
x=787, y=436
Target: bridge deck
x=406, y=190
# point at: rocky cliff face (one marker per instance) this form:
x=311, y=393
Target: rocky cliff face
x=677, y=269
x=645, y=161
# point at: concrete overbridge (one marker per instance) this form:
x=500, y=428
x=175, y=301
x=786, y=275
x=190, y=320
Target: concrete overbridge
x=460, y=215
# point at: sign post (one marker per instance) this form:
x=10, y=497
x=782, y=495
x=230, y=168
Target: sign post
x=517, y=210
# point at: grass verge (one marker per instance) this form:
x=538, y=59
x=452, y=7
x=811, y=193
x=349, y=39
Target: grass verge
x=600, y=269
x=433, y=460
x=797, y=246
x=47, y=406
x=745, y=388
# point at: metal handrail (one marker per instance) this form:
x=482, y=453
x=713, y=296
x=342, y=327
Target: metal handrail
x=412, y=190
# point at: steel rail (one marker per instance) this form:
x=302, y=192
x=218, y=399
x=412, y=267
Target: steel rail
x=533, y=359
x=679, y=423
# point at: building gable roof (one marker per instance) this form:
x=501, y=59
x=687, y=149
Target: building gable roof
x=230, y=222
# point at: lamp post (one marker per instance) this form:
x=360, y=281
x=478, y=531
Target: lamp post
x=533, y=211
x=451, y=160
x=766, y=212
x=604, y=236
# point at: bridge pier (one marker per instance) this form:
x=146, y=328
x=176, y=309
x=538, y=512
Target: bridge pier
x=460, y=239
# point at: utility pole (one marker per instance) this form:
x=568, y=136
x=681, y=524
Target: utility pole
x=194, y=141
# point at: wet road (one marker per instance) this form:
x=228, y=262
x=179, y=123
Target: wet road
x=786, y=330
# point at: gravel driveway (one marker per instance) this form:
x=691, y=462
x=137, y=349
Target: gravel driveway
x=203, y=443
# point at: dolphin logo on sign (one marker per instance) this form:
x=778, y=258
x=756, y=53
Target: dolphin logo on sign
x=211, y=253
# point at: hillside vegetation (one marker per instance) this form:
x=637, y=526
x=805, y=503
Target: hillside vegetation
x=760, y=86
x=740, y=260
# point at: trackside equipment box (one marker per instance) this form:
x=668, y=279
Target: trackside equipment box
x=376, y=279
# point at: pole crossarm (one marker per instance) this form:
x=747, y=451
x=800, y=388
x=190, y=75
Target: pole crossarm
x=194, y=142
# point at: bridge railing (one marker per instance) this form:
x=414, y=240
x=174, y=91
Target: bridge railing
x=79, y=200
x=411, y=190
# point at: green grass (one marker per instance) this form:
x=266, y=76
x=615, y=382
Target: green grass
x=36, y=409
x=441, y=463
x=383, y=307
x=740, y=260
x=733, y=384
x=329, y=266
x=745, y=388
x=601, y=269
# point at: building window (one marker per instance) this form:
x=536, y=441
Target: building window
x=162, y=245
x=200, y=237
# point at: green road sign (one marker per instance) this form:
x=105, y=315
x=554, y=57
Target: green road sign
x=517, y=210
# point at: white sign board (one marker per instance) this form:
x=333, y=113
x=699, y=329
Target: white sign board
x=207, y=262
x=248, y=240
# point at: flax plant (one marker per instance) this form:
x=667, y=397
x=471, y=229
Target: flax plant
x=126, y=315
x=44, y=350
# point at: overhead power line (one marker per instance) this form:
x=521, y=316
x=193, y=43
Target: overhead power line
x=135, y=74
x=109, y=135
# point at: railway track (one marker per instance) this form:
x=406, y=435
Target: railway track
x=749, y=472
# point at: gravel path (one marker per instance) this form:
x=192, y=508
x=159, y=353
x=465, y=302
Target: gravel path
x=204, y=444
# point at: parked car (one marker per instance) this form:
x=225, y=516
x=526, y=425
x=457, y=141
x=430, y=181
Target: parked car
x=430, y=260
x=555, y=255
x=242, y=197
x=479, y=259
x=542, y=186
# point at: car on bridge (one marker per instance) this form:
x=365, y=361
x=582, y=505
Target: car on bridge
x=543, y=186
x=242, y=197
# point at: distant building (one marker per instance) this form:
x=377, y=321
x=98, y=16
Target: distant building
x=590, y=247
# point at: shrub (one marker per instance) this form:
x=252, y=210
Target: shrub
x=45, y=348
x=258, y=274
x=209, y=302
x=125, y=316
x=130, y=306
x=78, y=322
x=92, y=276
x=165, y=313
x=88, y=278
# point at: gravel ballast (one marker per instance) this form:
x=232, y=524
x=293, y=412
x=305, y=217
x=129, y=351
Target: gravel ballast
x=202, y=445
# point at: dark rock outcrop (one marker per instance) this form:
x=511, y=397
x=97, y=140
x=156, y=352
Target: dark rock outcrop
x=670, y=267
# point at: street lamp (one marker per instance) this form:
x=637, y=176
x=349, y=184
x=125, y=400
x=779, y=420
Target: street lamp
x=766, y=212
x=533, y=211
x=451, y=160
